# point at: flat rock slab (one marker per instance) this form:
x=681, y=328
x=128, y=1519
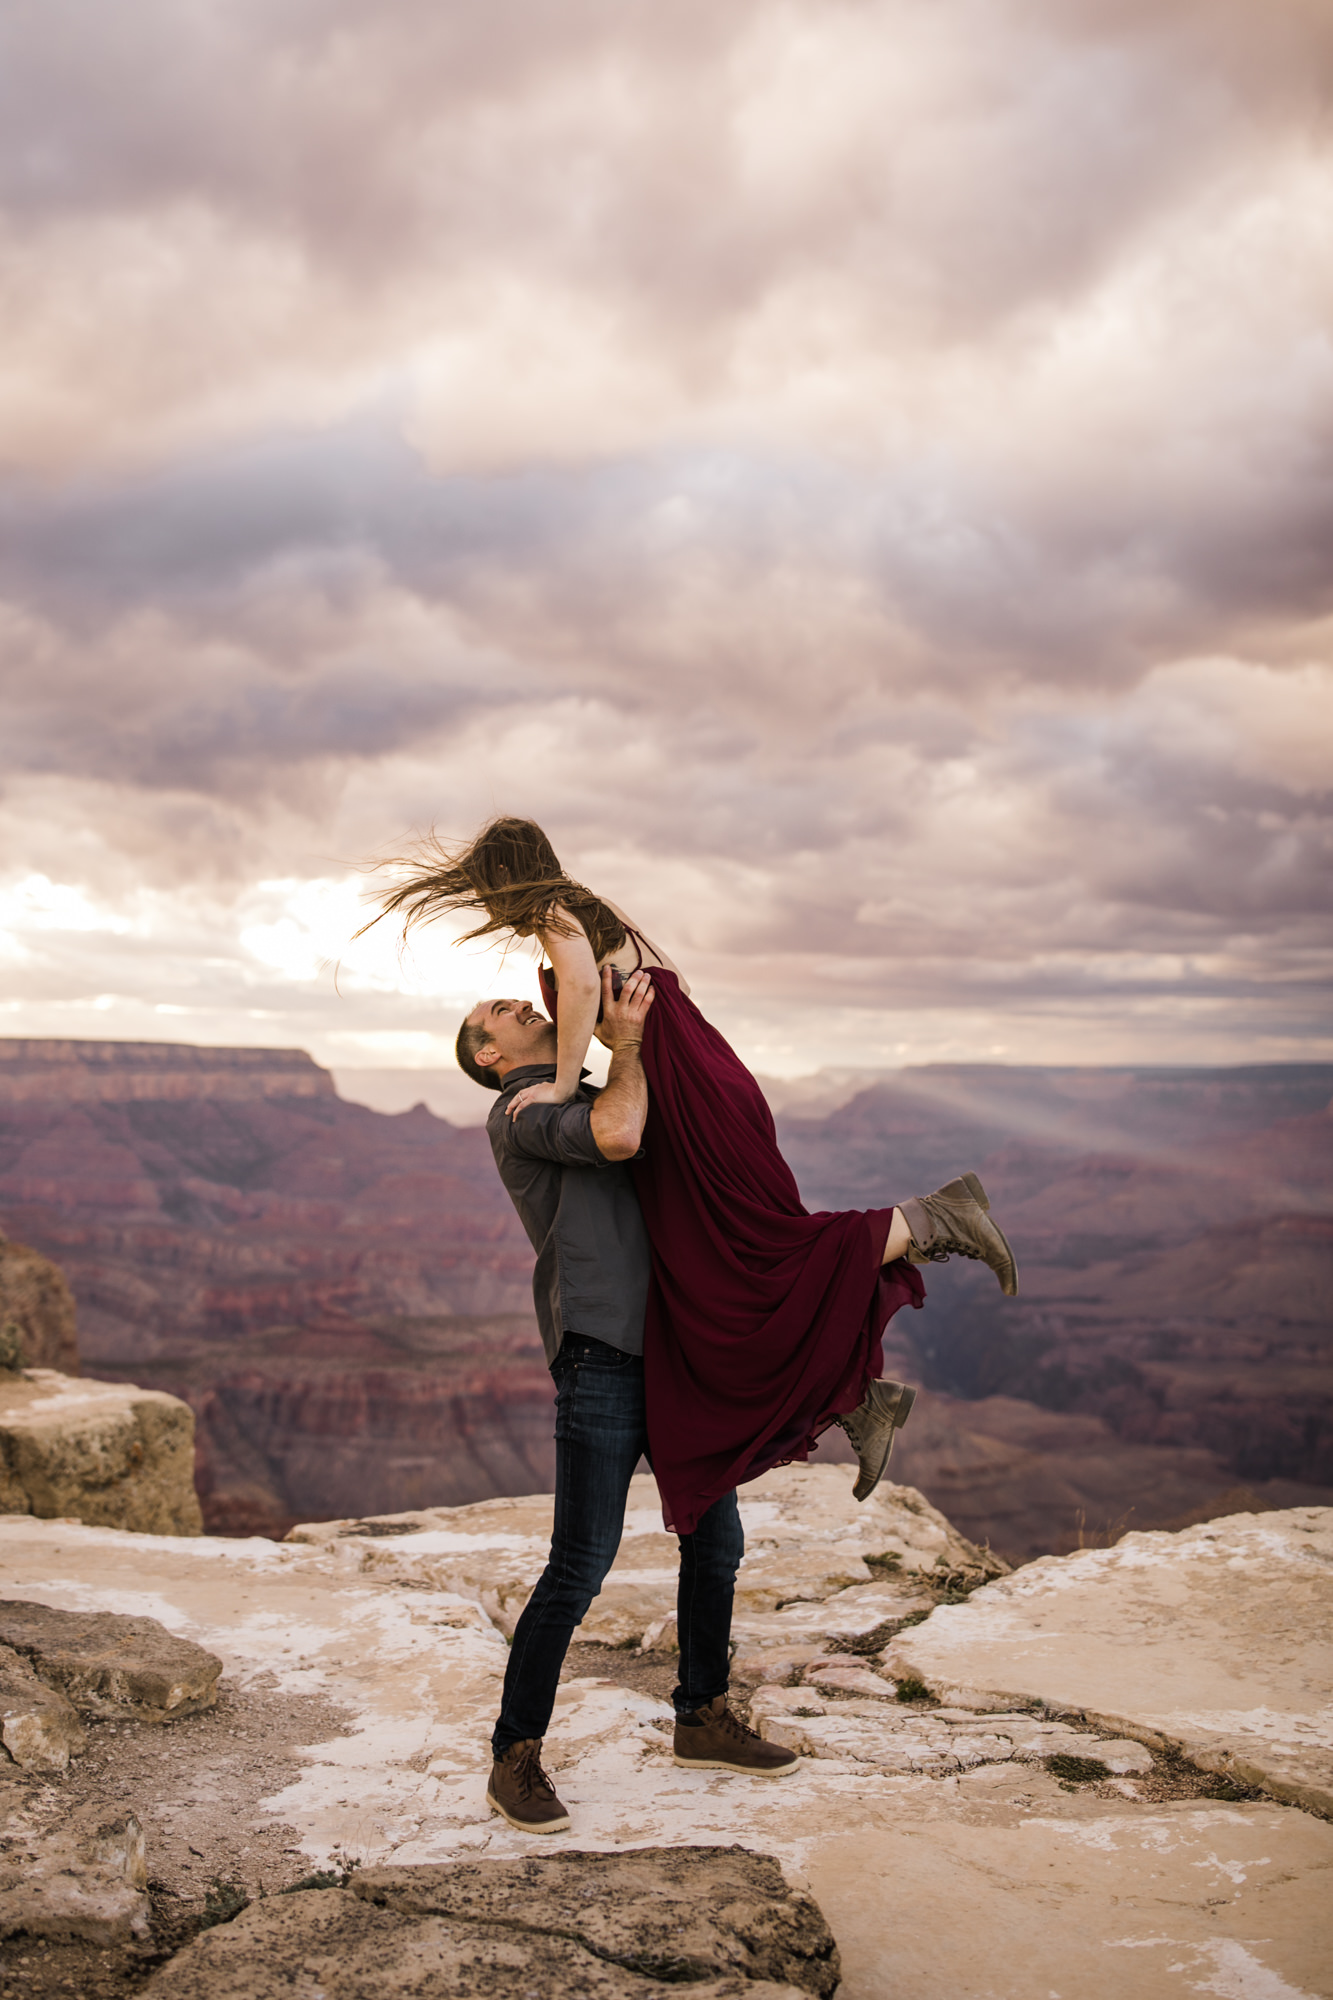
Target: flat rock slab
x=679, y=1914
x=111, y=1665
x=39, y=1728
x=892, y=1738
x=101, y=1452
x=632, y=1926
x=1217, y=1641
x=82, y=1881
x=1099, y=1903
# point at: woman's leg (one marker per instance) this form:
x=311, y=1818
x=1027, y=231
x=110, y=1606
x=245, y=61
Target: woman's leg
x=900, y=1238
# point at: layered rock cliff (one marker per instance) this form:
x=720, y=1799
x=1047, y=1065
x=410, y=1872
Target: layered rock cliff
x=126, y=1072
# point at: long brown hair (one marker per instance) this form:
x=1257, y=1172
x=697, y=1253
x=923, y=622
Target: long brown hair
x=509, y=875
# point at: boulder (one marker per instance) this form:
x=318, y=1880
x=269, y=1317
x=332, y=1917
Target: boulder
x=631, y=1926
x=86, y=1881
x=850, y=1614
x=849, y=1677
x=817, y=1567
x=896, y=1738
x=101, y=1452
x=1214, y=1642
x=109, y=1665
x=676, y=1914
x=39, y=1728
x=36, y=1312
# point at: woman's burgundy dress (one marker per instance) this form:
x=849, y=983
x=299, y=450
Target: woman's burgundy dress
x=764, y=1321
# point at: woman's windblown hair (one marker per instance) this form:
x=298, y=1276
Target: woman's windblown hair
x=508, y=875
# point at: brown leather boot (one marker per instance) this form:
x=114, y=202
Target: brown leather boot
x=713, y=1739
x=955, y=1222
x=521, y=1790
x=871, y=1427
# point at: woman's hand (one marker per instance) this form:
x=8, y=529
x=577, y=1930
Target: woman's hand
x=537, y=1093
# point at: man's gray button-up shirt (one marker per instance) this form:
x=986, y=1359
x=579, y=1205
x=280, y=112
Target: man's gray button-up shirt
x=581, y=1215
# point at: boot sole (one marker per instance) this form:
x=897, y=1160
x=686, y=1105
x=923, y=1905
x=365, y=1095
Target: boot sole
x=740, y=1770
x=903, y=1412
x=523, y=1826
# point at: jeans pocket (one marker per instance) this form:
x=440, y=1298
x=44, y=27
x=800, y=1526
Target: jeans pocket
x=596, y=1354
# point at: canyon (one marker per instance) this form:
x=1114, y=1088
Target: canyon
x=342, y=1296
x=1172, y=1346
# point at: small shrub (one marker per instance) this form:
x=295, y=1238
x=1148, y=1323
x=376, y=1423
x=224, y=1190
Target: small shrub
x=867, y=1644
x=1229, y=1791
x=222, y=1902
x=889, y=1560
x=1077, y=1770
x=909, y=1688
x=956, y=1585
x=323, y=1878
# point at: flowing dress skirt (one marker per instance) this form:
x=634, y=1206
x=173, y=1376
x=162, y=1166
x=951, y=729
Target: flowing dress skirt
x=764, y=1322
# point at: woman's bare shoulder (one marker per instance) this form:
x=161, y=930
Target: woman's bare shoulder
x=652, y=952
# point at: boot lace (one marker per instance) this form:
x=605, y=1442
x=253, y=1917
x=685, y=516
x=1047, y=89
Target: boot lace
x=852, y=1428
x=733, y=1726
x=947, y=1243
x=529, y=1777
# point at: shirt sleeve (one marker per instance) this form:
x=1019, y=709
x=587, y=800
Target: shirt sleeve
x=558, y=1132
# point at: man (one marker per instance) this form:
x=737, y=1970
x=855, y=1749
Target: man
x=564, y=1168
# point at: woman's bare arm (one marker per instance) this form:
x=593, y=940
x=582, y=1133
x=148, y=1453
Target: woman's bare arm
x=580, y=986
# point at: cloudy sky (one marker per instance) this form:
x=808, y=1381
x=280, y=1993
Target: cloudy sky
x=860, y=472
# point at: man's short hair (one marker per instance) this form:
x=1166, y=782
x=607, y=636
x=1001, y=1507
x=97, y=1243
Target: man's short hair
x=471, y=1037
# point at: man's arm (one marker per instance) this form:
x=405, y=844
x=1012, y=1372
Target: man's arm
x=621, y=1108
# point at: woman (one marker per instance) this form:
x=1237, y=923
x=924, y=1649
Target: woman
x=765, y=1323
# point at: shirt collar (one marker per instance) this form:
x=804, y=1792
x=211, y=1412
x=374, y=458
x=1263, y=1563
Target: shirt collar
x=535, y=1073
x=529, y=1073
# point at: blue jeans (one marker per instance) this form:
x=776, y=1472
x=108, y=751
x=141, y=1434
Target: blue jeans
x=600, y=1434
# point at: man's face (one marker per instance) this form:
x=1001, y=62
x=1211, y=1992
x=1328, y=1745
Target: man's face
x=517, y=1030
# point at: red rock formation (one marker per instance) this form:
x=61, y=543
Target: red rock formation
x=302, y=1423
x=205, y=1228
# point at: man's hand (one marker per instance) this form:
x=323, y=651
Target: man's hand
x=621, y=1025
x=620, y=1111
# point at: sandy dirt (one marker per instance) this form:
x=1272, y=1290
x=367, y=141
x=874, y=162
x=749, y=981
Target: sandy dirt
x=196, y=1786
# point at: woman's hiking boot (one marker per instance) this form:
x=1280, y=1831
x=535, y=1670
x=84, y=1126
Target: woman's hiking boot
x=521, y=1790
x=955, y=1222
x=871, y=1427
x=713, y=1739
